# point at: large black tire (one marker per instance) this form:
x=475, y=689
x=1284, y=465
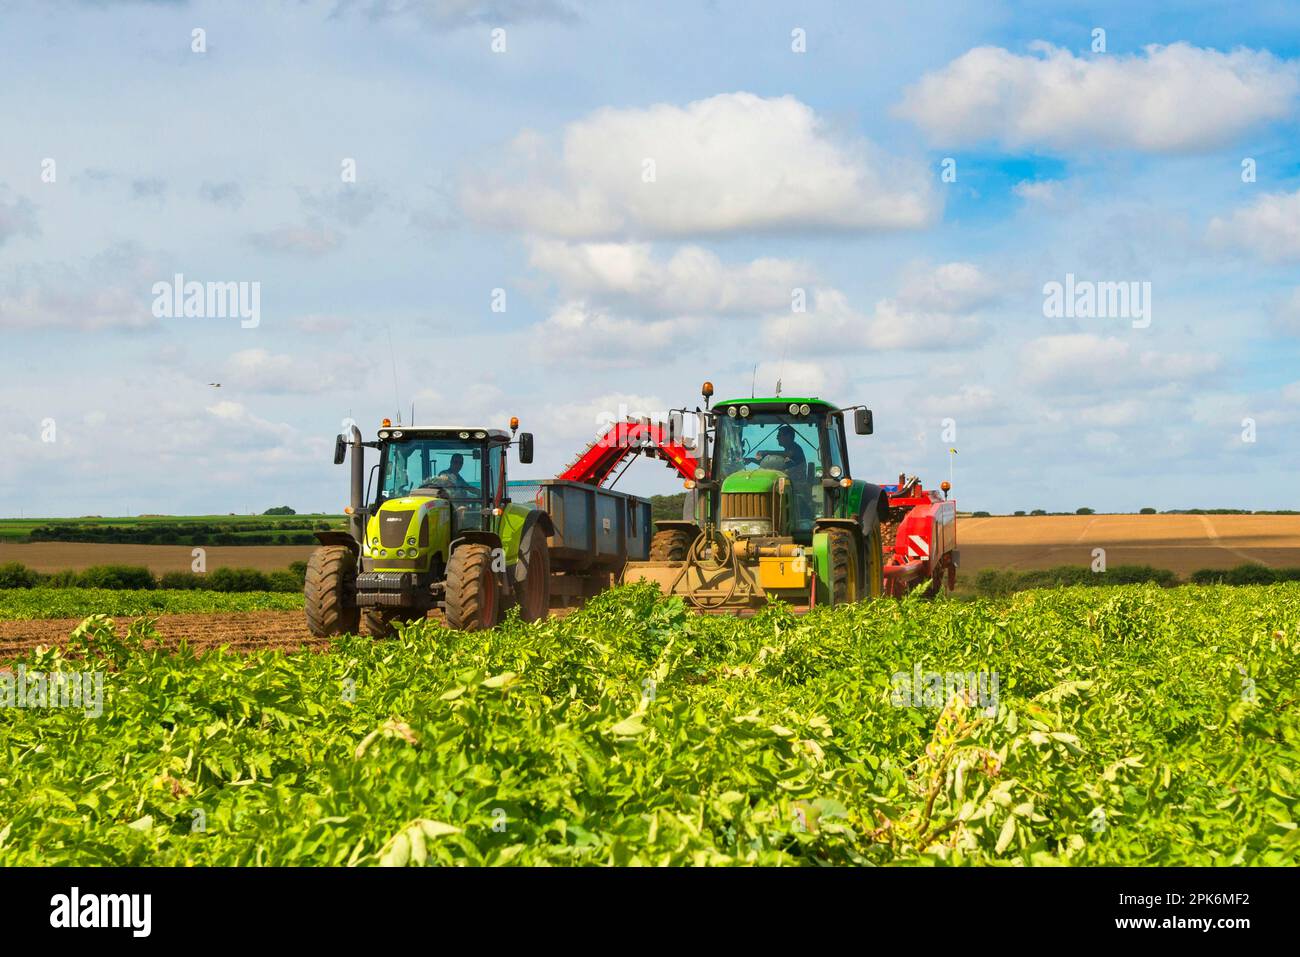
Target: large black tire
x=331, y=591
x=534, y=593
x=382, y=623
x=472, y=599
x=873, y=564
x=844, y=566
x=670, y=545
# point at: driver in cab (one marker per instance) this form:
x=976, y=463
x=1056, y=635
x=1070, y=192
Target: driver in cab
x=450, y=476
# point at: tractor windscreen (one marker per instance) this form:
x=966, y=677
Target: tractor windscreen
x=770, y=440
x=459, y=469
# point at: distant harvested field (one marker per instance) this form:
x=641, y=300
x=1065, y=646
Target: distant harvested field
x=1180, y=543
x=61, y=556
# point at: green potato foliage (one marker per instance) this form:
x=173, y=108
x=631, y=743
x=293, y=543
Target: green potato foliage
x=1134, y=725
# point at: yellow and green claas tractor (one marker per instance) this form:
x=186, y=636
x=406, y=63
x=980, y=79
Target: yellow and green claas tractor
x=774, y=511
x=439, y=533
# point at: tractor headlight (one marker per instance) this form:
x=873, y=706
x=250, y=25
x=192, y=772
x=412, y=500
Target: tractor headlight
x=804, y=409
x=410, y=541
x=375, y=540
x=744, y=412
x=794, y=408
x=747, y=527
x=397, y=433
x=836, y=471
x=383, y=553
x=731, y=411
x=383, y=435
x=699, y=474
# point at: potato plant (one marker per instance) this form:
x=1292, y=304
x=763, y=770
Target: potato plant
x=1133, y=725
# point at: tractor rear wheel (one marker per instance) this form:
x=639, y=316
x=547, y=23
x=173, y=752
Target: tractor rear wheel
x=331, y=591
x=534, y=593
x=670, y=545
x=843, y=552
x=472, y=598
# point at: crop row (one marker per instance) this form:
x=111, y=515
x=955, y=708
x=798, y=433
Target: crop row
x=1128, y=725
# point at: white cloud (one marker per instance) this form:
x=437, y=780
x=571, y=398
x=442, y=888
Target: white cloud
x=1286, y=314
x=453, y=14
x=576, y=331
x=691, y=280
x=1083, y=361
x=1268, y=228
x=1176, y=98
x=108, y=291
x=257, y=370
x=935, y=309
x=733, y=163
x=17, y=216
x=1043, y=192
x=311, y=240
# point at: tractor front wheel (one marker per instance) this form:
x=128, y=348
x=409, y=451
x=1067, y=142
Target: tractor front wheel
x=471, y=589
x=844, y=566
x=874, y=566
x=670, y=545
x=331, y=591
x=534, y=592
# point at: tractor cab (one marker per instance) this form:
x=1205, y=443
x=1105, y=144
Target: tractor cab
x=465, y=467
x=778, y=465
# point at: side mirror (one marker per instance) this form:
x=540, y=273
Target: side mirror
x=340, y=449
x=525, y=448
x=862, y=423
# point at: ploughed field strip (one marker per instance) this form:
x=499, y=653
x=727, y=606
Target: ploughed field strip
x=240, y=631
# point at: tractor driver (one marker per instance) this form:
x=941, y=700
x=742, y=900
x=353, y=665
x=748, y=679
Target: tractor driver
x=795, y=468
x=795, y=461
x=451, y=476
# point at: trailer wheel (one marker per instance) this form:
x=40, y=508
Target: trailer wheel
x=471, y=589
x=534, y=592
x=670, y=545
x=874, y=586
x=331, y=591
x=844, y=566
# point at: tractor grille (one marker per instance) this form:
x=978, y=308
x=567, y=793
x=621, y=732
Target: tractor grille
x=392, y=528
x=747, y=505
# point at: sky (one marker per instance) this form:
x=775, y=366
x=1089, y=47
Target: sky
x=570, y=211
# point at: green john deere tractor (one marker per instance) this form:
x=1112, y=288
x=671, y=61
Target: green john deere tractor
x=440, y=533
x=773, y=512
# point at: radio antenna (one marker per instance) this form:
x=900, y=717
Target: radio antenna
x=397, y=401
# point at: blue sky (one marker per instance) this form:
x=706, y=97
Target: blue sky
x=523, y=171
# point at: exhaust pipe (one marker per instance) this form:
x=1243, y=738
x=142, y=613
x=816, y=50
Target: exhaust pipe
x=356, y=520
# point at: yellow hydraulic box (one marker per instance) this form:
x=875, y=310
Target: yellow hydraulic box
x=783, y=572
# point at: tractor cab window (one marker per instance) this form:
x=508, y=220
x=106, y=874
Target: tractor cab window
x=835, y=443
x=767, y=440
x=452, y=468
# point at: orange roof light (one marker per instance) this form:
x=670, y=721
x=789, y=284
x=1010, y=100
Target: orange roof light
x=386, y=423
x=706, y=389
x=514, y=422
